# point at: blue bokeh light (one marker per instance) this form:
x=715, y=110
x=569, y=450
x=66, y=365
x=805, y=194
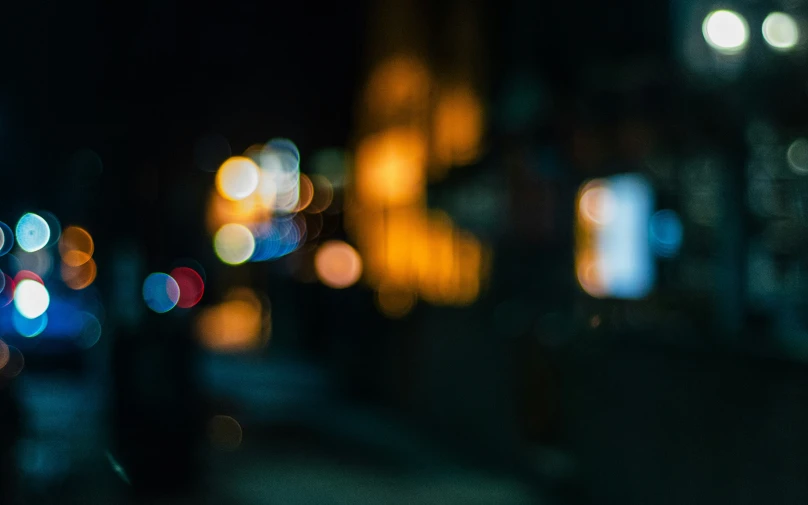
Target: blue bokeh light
x=160, y=292
x=666, y=233
x=276, y=239
x=90, y=332
x=29, y=328
x=33, y=232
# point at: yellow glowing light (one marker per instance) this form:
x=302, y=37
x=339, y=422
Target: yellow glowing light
x=234, y=325
x=237, y=178
x=81, y=276
x=225, y=433
x=781, y=31
x=458, y=126
x=726, y=31
x=76, y=246
x=390, y=167
x=254, y=209
x=395, y=303
x=596, y=204
x=337, y=264
x=234, y=243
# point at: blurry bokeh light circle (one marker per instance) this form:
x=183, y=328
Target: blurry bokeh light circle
x=160, y=292
x=33, y=232
x=7, y=293
x=323, y=194
x=193, y=265
x=79, y=277
x=7, y=241
x=235, y=325
x=225, y=433
x=191, y=286
x=29, y=327
x=39, y=262
x=597, y=204
x=666, y=232
x=780, y=31
x=54, y=226
x=797, y=156
x=4, y=354
x=237, y=178
x=395, y=303
x=234, y=243
x=286, y=152
x=306, y=193
x=31, y=298
x=337, y=264
x=27, y=274
x=725, y=31
x=76, y=246
x=90, y=332
x=15, y=363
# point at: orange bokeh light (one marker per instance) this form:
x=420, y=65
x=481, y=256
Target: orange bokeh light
x=337, y=264
x=79, y=277
x=395, y=303
x=401, y=83
x=458, y=127
x=323, y=194
x=234, y=325
x=391, y=167
x=596, y=204
x=305, y=193
x=76, y=246
x=588, y=273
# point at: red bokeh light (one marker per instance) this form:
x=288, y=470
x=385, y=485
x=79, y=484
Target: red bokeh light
x=192, y=287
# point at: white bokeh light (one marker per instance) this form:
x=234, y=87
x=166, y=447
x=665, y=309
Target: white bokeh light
x=31, y=299
x=234, y=244
x=781, y=31
x=237, y=178
x=726, y=31
x=33, y=232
